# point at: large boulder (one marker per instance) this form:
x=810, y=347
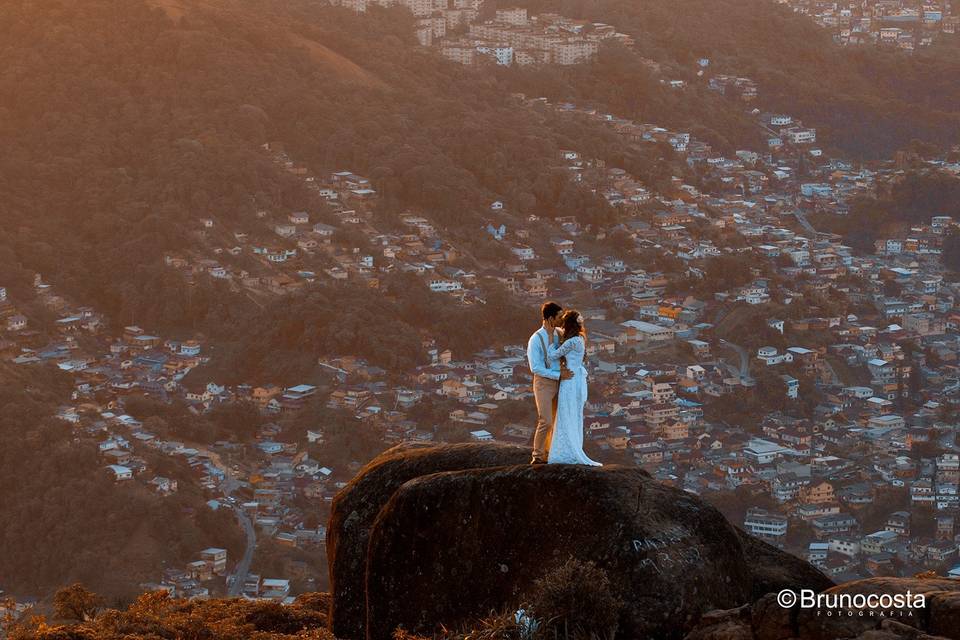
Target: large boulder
x=357, y=505
x=443, y=535
x=773, y=570
x=450, y=547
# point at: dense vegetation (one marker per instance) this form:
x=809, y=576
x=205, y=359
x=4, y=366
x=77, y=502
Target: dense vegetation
x=572, y=598
x=155, y=615
x=125, y=122
x=283, y=343
x=63, y=518
x=911, y=199
x=864, y=101
x=140, y=136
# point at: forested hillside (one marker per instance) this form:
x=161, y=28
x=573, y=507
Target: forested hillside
x=99, y=184
x=125, y=122
x=905, y=201
x=867, y=102
x=65, y=519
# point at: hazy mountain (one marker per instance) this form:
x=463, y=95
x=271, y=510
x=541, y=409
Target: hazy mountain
x=127, y=122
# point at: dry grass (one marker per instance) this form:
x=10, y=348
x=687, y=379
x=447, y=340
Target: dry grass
x=173, y=8
x=321, y=54
x=341, y=65
x=155, y=615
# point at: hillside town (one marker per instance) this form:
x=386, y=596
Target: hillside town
x=899, y=24
x=511, y=37
x=514, y=37
x=850, y=458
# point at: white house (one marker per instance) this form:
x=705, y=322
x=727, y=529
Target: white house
x=802, y=136
x=16, y=323
x=274, y=589
x=563, y=246
x=591, y=272
x=765, y=525
x=523, y=252
x=323, y=230
x=445, y=286
x=647, y=331
x=793, y=386
x=817, y=552
x=772, y=357
x=120, y=472
x=759, y=451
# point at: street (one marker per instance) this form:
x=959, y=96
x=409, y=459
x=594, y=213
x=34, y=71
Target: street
x=238, y=577
x=744, y=370
x=228, y=486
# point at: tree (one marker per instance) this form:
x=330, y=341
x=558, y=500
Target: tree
x=157, y=426
x=771, y=391
x=799, y=533
x=76, y=602
x=239, y=420
x=929, y=449
x=347, y=439
x=892, y=289
x=728, y=271
x=947, y=413
x=621, y=244
x=951, y=251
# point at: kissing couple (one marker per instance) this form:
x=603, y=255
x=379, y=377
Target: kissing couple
x=555, y=353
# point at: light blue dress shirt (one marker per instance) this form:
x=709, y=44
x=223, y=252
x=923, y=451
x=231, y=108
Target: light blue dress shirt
x=536, y=357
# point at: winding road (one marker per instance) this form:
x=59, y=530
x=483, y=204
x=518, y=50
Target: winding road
x=744, y=370
x=227, y=487
x=239, y=575
x=802, y=219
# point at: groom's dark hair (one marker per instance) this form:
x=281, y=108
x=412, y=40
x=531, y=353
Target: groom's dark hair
x=550, y=309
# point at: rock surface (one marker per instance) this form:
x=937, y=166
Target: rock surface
x=356, y=507
x=458, y=545
x=765, y=619
x=441, y=535
x=773, y=570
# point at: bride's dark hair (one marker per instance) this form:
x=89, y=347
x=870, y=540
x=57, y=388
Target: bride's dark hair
x=571, y=325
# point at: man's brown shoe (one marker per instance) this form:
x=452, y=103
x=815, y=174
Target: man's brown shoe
x=538, y=461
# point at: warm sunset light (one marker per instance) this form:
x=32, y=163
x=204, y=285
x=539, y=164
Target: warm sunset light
x=479, y=319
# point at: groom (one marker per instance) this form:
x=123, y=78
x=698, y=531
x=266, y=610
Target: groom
x=547, y=375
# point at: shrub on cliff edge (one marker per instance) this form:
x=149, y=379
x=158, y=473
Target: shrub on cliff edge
x=575, y=601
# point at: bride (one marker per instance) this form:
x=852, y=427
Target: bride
x=567, y=443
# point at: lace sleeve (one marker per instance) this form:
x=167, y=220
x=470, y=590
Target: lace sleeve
x=573, y=344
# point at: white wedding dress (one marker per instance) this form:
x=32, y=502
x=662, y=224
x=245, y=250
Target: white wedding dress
x=566, y=445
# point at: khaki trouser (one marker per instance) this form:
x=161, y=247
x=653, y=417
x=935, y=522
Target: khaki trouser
x=545, y=392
